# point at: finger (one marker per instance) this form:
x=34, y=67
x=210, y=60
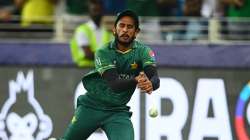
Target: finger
x=142, y=79
x=147, y=87
x=144, y=82
x=141, y=73
x=146, y=91
x=143, y=85
x=149, y=92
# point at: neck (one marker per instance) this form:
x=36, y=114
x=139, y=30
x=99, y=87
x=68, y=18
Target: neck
x=123, y=47
x=97, y=21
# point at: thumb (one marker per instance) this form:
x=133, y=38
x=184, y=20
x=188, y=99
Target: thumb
x=141, y=73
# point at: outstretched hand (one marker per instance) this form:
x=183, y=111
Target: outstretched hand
x=144, y=84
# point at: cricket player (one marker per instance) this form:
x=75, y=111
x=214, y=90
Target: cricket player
x=118, y=70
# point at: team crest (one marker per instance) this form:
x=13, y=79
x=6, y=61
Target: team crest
x=134, y=65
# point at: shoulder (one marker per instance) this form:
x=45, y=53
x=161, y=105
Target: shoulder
x=83, y=26
x=105, y=48
x=141, y=46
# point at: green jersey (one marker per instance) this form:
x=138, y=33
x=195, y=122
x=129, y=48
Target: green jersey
x=243, y=11
x=128, y=65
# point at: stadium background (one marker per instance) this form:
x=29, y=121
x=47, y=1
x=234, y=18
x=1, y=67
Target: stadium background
x=202, y=49
x=56, y=79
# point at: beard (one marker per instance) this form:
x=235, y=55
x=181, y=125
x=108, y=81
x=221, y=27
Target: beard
x=124, y=43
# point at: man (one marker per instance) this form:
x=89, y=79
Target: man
x=237, y=27
x=8, y=9
x=89, y=36
x=37, y=11
x=118, y=70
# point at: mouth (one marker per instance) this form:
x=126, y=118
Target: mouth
x=125, y=36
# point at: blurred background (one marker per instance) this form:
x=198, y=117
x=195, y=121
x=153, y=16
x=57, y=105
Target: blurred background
x=168, y=21
x=202, y=48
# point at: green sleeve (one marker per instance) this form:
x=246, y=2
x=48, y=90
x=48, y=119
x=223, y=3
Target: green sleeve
x=148, y=57
x=103, y=61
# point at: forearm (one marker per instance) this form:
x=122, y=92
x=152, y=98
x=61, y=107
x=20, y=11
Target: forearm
x=88, y=53
x=116, y=84
x=152, y=75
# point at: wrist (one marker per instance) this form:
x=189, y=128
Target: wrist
x=136, y=79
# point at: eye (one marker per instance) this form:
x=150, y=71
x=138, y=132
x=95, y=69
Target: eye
x=121, y=25
x=130, y=26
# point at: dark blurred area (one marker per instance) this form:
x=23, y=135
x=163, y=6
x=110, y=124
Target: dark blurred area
x=166, y=20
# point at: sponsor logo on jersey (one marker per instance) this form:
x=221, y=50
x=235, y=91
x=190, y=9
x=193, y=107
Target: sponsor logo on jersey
x=124, y=76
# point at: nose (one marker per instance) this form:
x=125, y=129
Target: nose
x=125, y=29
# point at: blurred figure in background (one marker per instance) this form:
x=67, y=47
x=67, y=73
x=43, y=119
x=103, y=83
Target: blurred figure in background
x=148, y=10
x=112, y=7
x=192, y=10
x=8, y=9
x=169, y=11
x=76, y=7
x=80, y=7
x=238, y=25
x=37, y=11
x=89, y=36
x=144, y=7
x=238, y=8
x=213, y=10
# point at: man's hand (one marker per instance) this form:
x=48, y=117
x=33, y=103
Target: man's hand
x=144, y=84
x=88, y=53
x=5, y=15
x=238, y=3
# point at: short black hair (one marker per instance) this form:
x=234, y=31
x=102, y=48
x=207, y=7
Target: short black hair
x=129, y=13
x=95, y=2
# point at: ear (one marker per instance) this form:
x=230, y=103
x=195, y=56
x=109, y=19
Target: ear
x=137, y=31
x=113, y=30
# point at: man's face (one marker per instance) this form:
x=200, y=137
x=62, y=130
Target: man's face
x=125, y=31
x=95, y=10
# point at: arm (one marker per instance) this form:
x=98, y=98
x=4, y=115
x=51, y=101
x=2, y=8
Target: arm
x=150, y=81
x=83, y=43
x=116, y=84
x=151, y=73
x=88, y=52
x=148, y=84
